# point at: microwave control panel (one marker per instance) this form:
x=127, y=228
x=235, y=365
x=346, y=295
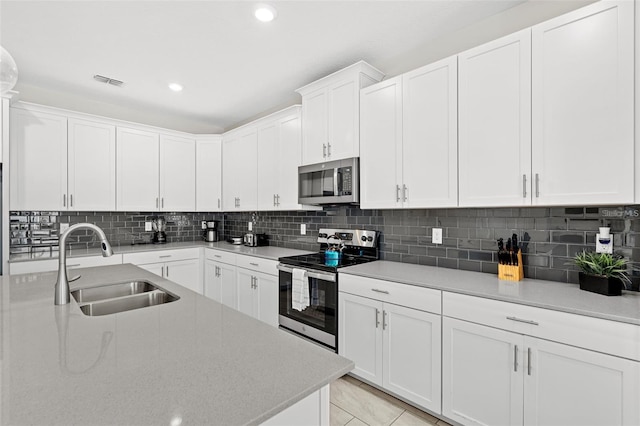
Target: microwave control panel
x=347, y=181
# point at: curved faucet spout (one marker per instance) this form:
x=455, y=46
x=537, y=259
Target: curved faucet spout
x=62, y=295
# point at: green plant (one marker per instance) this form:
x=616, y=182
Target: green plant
x=603, y=264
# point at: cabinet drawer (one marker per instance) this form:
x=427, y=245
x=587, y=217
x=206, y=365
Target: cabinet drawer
x=34, y=266
x=424, y=299
x=258, y=264
x=158, y=256
x=220, y=256
x=611, y=337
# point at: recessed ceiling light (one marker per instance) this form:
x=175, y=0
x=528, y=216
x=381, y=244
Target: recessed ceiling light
x=265, y=13
x=175, y=87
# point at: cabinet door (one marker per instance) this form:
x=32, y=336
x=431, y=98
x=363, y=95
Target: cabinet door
x=38, y=154
x=430, y=135
x=186, y=273
x=266, y=292
x=246, y=299
x=268, y=166
x=232, y=160
x=177, y=174
x=314, y=127
x=228, y=287
x=240, y=169
x=360, y=335
x=209, y=175
x=91, y=166
x=381, y=147
x=495, y=123
x=137, y=170
x=583, y=106
x=289, y=155
x=344, y=117
x=482, y=379
x=568, y=386
x=411, y=353
x=212, y=288
x=154, y=268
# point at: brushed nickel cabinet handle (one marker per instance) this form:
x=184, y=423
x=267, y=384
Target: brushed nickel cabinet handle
x=515, y=358
x=163, y=202
x=397, y=193
x=71, y=200
x=522, y=320
x=537, y=185
x=167, y=271
x=524, y=186
x=157, y=203
x=328, y=149
x=254, y=264
x=384, y=320
x=377, y=318
x=165, y=256
x=64, y=200
x=404, y=192
x=529, y=361
x=324, y=150
x=218, y=202
x=380, y=291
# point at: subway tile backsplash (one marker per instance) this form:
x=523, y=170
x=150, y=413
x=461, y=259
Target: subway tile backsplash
x=550, y=236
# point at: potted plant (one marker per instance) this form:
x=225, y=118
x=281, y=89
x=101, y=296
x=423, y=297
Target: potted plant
x=602, y=273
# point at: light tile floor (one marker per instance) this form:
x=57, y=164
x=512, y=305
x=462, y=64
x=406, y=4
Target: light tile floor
x=355, y=403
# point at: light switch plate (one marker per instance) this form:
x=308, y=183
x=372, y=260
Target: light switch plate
x=147, y=227
x=203, y=224
x=303, y=229
x=250, y=226
x=436, y=236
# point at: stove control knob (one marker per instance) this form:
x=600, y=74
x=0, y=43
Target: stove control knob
x=363, y=238
x=322, y=235
x=369, y=239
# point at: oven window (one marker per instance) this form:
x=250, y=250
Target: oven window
x=322, y=310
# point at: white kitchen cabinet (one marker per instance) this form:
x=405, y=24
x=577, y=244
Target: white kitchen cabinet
x=38, y=158
x=583, y=105
x=91, y=152
x=494, y=113
x=257, y=283
x=220, y=277
x=269, y=165
x=177, y=174
x=393, y=346
x=408, y=149
x=35, y=266
x=331, y=113
x=181, y=266
x=138, y=170
x=504, y=363
x=240, y=169
x=209, y=173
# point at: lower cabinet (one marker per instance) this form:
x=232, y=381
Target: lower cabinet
x=182, y=266
x=393, y=346
x=34, y=266
x=258, y=295
x=493, y=376
x=220, y=282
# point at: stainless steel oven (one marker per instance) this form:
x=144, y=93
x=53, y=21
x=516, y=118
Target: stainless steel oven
x=319, y=320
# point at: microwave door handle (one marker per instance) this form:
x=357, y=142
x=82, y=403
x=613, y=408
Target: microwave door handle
x=335, y=182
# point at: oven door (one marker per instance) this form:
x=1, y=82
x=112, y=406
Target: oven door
x=319, y=320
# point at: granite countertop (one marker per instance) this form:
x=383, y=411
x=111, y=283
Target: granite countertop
x=267, y=252
x=542, y=294
x=192, y=361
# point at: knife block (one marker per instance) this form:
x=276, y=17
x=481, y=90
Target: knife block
x=512, y=272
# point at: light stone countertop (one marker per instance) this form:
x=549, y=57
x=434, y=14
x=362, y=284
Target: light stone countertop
x=267, y=252
x=539, y=293
x=192, y=361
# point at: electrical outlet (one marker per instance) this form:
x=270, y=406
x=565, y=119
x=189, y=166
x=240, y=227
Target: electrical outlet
x=147, y=227
x=63, y=227
x=303, y=229
x=436, y=235
x=203, y=224
x=250, y=226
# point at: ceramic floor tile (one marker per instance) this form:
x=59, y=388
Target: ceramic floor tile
x=365, y=406
x=352, y=380
x=338, y=417
x=409, y=419
x=401, y=404
x=443, y=423
x=356, y=422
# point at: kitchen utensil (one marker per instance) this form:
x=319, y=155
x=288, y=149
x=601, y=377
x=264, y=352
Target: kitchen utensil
x=254, y=240
x=210, y=235
x=159, y=225
x=235, y=240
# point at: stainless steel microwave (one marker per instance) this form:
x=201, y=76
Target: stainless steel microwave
x=333, y=182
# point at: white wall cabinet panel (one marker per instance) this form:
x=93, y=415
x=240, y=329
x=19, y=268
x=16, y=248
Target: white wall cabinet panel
x=344, y=120
x=430, y=135
x=38, y=156
x=138, y=170
x=268, y=165
x=290, y=153
x=583, y=106
x=381, y=145
x=495, y=123
x=315, y=127
x=177, y=174
x=209, y=174
x=240, y=170
x=91, y=166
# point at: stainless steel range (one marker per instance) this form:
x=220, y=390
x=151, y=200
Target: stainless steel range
x=309, y=283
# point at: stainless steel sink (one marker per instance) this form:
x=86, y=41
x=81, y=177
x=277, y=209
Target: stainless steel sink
x=121, y=297
x=110, y=291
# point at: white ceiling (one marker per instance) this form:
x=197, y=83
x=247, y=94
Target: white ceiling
x=233, y=67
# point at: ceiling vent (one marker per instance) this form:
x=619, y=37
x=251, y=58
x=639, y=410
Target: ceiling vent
x=107, y=80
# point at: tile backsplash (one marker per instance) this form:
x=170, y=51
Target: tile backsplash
x=550, y=236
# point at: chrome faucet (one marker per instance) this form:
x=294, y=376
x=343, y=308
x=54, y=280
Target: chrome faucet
x=62, y=295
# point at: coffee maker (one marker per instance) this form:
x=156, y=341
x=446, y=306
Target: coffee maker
x=211, y=231
x=159, y=226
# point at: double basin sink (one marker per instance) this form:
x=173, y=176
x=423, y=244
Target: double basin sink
x=120, y=297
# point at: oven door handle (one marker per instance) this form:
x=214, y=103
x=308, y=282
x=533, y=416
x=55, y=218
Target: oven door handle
x=324, y=276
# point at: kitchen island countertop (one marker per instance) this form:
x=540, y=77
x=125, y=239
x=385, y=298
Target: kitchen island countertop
x=192, y=361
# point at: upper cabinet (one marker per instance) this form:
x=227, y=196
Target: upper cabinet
x=331, y=113
x=240, y=169
x=582, y=94
x=495, y=123
x=155, y=173
x=209, y=173
x=408, y=149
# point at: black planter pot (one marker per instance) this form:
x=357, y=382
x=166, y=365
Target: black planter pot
x=600, y=284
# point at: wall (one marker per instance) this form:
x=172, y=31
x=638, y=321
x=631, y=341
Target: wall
x=550, y=236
